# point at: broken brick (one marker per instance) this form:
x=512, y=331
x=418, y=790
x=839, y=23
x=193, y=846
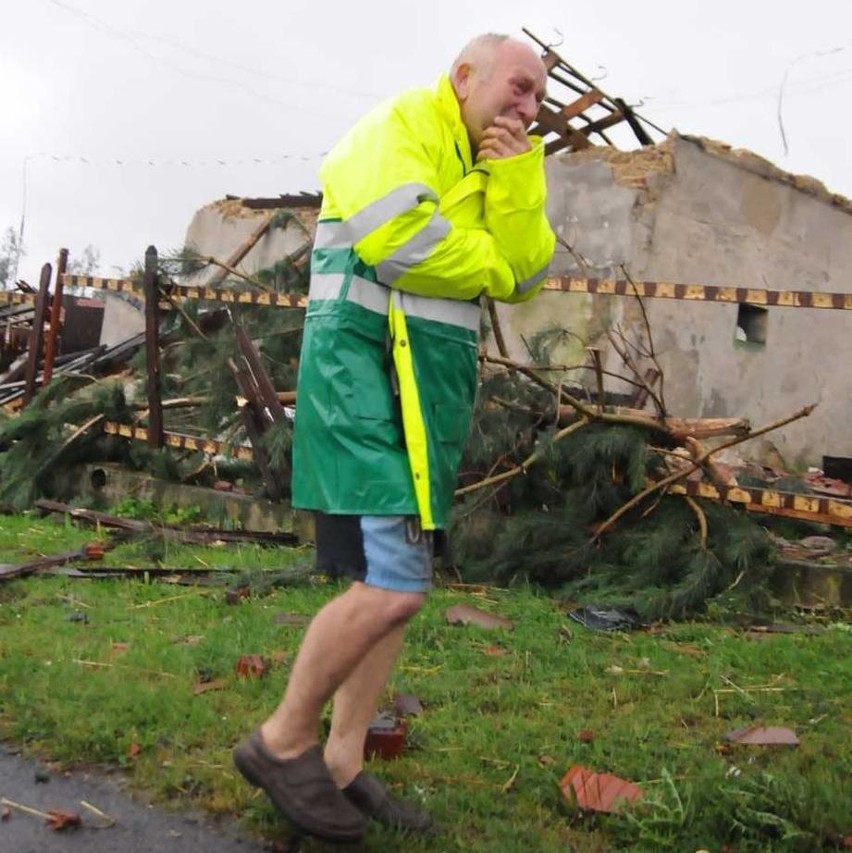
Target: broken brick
x=250, y=666
x=600, y=792
x=59, y=819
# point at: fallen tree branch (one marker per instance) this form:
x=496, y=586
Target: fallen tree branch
x=496, y=330
x=522, y=468
x=702, y=519
x=694, y=466
x=652, y=353
x=237, y=274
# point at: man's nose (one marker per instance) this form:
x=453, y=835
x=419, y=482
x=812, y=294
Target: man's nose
x=527, y=109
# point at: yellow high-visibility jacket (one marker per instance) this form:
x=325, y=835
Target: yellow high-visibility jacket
x=411, y=233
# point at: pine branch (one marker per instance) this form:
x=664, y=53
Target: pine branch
x=522, y=468
x=694, y=466
x=236, y=273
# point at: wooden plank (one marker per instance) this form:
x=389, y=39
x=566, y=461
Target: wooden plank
x=36, y=336
x=152, y=349
x=241, y=251
x=55, y=318
x=582, y=103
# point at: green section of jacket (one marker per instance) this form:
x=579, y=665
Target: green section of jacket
x=484, y=231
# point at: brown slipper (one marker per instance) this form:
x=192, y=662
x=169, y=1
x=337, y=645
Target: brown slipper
x=302, y=790
x=374, y=801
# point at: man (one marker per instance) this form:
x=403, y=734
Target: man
x=432, y=200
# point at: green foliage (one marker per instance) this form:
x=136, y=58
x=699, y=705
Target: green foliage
x=503, y=709
x=540, y=527
x=148, y=510
x=39, y=450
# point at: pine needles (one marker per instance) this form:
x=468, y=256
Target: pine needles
x=541, y=527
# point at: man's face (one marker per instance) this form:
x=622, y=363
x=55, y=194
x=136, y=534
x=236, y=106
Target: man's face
x=511, y=85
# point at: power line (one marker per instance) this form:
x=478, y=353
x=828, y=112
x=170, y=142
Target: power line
x=173, y=161
x=125, y=35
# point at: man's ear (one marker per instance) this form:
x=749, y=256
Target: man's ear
x=461, y=80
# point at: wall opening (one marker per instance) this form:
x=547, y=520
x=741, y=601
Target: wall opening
x=751, y=324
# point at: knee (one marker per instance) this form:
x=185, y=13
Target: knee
x=405, y=606
x=390, y=607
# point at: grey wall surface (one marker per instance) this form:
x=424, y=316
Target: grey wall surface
x=691, y=211
x=220, y=228
x=687, y=211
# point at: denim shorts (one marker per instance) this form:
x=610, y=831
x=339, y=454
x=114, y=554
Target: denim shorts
x=386, y=551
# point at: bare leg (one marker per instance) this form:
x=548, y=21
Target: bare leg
x=339, y=638
x=355, y=705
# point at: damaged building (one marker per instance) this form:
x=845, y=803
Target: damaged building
x=684, y=211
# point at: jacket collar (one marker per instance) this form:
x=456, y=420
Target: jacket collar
x=448, y=104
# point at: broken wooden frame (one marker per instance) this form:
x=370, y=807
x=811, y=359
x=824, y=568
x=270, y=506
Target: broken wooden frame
x=825, y=510
x=576, y=110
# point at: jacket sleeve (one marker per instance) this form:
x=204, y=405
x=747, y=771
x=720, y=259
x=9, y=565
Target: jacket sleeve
x=382, y=181
x=515, y=216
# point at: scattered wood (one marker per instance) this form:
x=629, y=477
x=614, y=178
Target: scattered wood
x=763, y=736
x=92, y=551
x=192, y=534
x=465, y=614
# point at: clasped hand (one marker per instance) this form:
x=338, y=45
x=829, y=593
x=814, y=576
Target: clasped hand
x=505, y=138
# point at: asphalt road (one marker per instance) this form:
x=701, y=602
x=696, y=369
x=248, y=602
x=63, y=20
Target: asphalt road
x=137, y=828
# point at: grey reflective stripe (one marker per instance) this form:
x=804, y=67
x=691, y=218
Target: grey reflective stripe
x=532, y=281
x=334, y=234
x=362, y=291
x=455, y=312
x=325, y=286
x=329, y=235
x=377, y=213
x=417, y=249
x=369, y=295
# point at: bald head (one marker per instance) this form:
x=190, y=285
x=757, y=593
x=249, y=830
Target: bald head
x=495, y=75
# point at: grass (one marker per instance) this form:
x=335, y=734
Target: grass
x=102, y=673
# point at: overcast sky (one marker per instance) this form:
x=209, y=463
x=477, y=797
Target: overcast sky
x=119, y=119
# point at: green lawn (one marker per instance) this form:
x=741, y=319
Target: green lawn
x=102, y=672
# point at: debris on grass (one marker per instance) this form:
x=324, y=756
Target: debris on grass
x=407, y=705
x=250, y=666
x=386, y=736
x=599, y=792
x=207, y=686
x=297, y=619
x=598, y=619
x=763, y=736
x=466, y=614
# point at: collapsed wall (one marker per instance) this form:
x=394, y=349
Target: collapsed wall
x=690, y=210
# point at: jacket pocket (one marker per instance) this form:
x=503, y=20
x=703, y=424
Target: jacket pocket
x=452, y=423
